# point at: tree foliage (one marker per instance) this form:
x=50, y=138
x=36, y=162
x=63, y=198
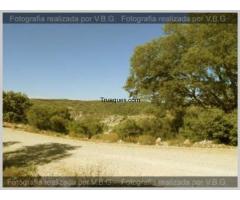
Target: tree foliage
x=192, y=64
x=15, y=106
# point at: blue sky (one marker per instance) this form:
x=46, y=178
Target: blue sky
x=85, y=61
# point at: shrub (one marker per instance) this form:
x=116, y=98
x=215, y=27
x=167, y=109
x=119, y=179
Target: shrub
x=75, y=128
x=156, y=127
x=171, y=121
x=209, y=124
x=39, y=117
x=166, y=131
x=146, y=139
x=231, y=118
x=88, y=126
x=15, y=106
x=48, y=118
x=152, y=126
x=11, y=117
x=58, y=124
x=165, y=126
x=128, y=128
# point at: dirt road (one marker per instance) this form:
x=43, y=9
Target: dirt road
x=62, y=156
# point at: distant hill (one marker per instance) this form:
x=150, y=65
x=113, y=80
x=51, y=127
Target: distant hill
x=98, y=107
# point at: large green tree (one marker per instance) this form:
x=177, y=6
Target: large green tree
x=190, y=64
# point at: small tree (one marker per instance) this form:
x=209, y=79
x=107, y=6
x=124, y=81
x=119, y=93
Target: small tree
x=15, y=106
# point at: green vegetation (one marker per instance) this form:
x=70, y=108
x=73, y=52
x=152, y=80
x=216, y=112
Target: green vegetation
x=188, y=78
x=210, y=124
x=49, y=118
x=98, y=108
x=192, y=64
x=87, y=126
x=150, y=126
x=128, y=128
x=15, y=106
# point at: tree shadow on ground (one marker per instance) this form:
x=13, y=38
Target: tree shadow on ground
x=7, y=144
x=37, y=155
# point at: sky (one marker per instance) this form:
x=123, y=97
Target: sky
x=73, y=61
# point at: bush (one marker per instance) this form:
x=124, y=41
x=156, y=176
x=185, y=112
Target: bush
x=75, y=128
x=231, y=118
x=171, y=121
x=128, y=128
x=150, y=126
x=165, y=126
x=11, y=117
x=15, y=106
x=146, y=140
x=39, y=117
x=156, y=127
x=210, y=124
x=48, y=118
x=58, y=124
x=88, y=126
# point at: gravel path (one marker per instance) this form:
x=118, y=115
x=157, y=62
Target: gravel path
x=64, y=156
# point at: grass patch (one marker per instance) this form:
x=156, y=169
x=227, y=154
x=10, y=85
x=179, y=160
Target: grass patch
x=146, y=140
x=177, y=141
x=111, y=137
x=30, y=171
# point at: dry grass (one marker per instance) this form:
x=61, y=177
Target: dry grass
x=111, y=137
x=88, y=170
x=146, y=140
x=30, y=171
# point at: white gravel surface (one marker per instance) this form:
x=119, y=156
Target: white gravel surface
x=63, y=156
